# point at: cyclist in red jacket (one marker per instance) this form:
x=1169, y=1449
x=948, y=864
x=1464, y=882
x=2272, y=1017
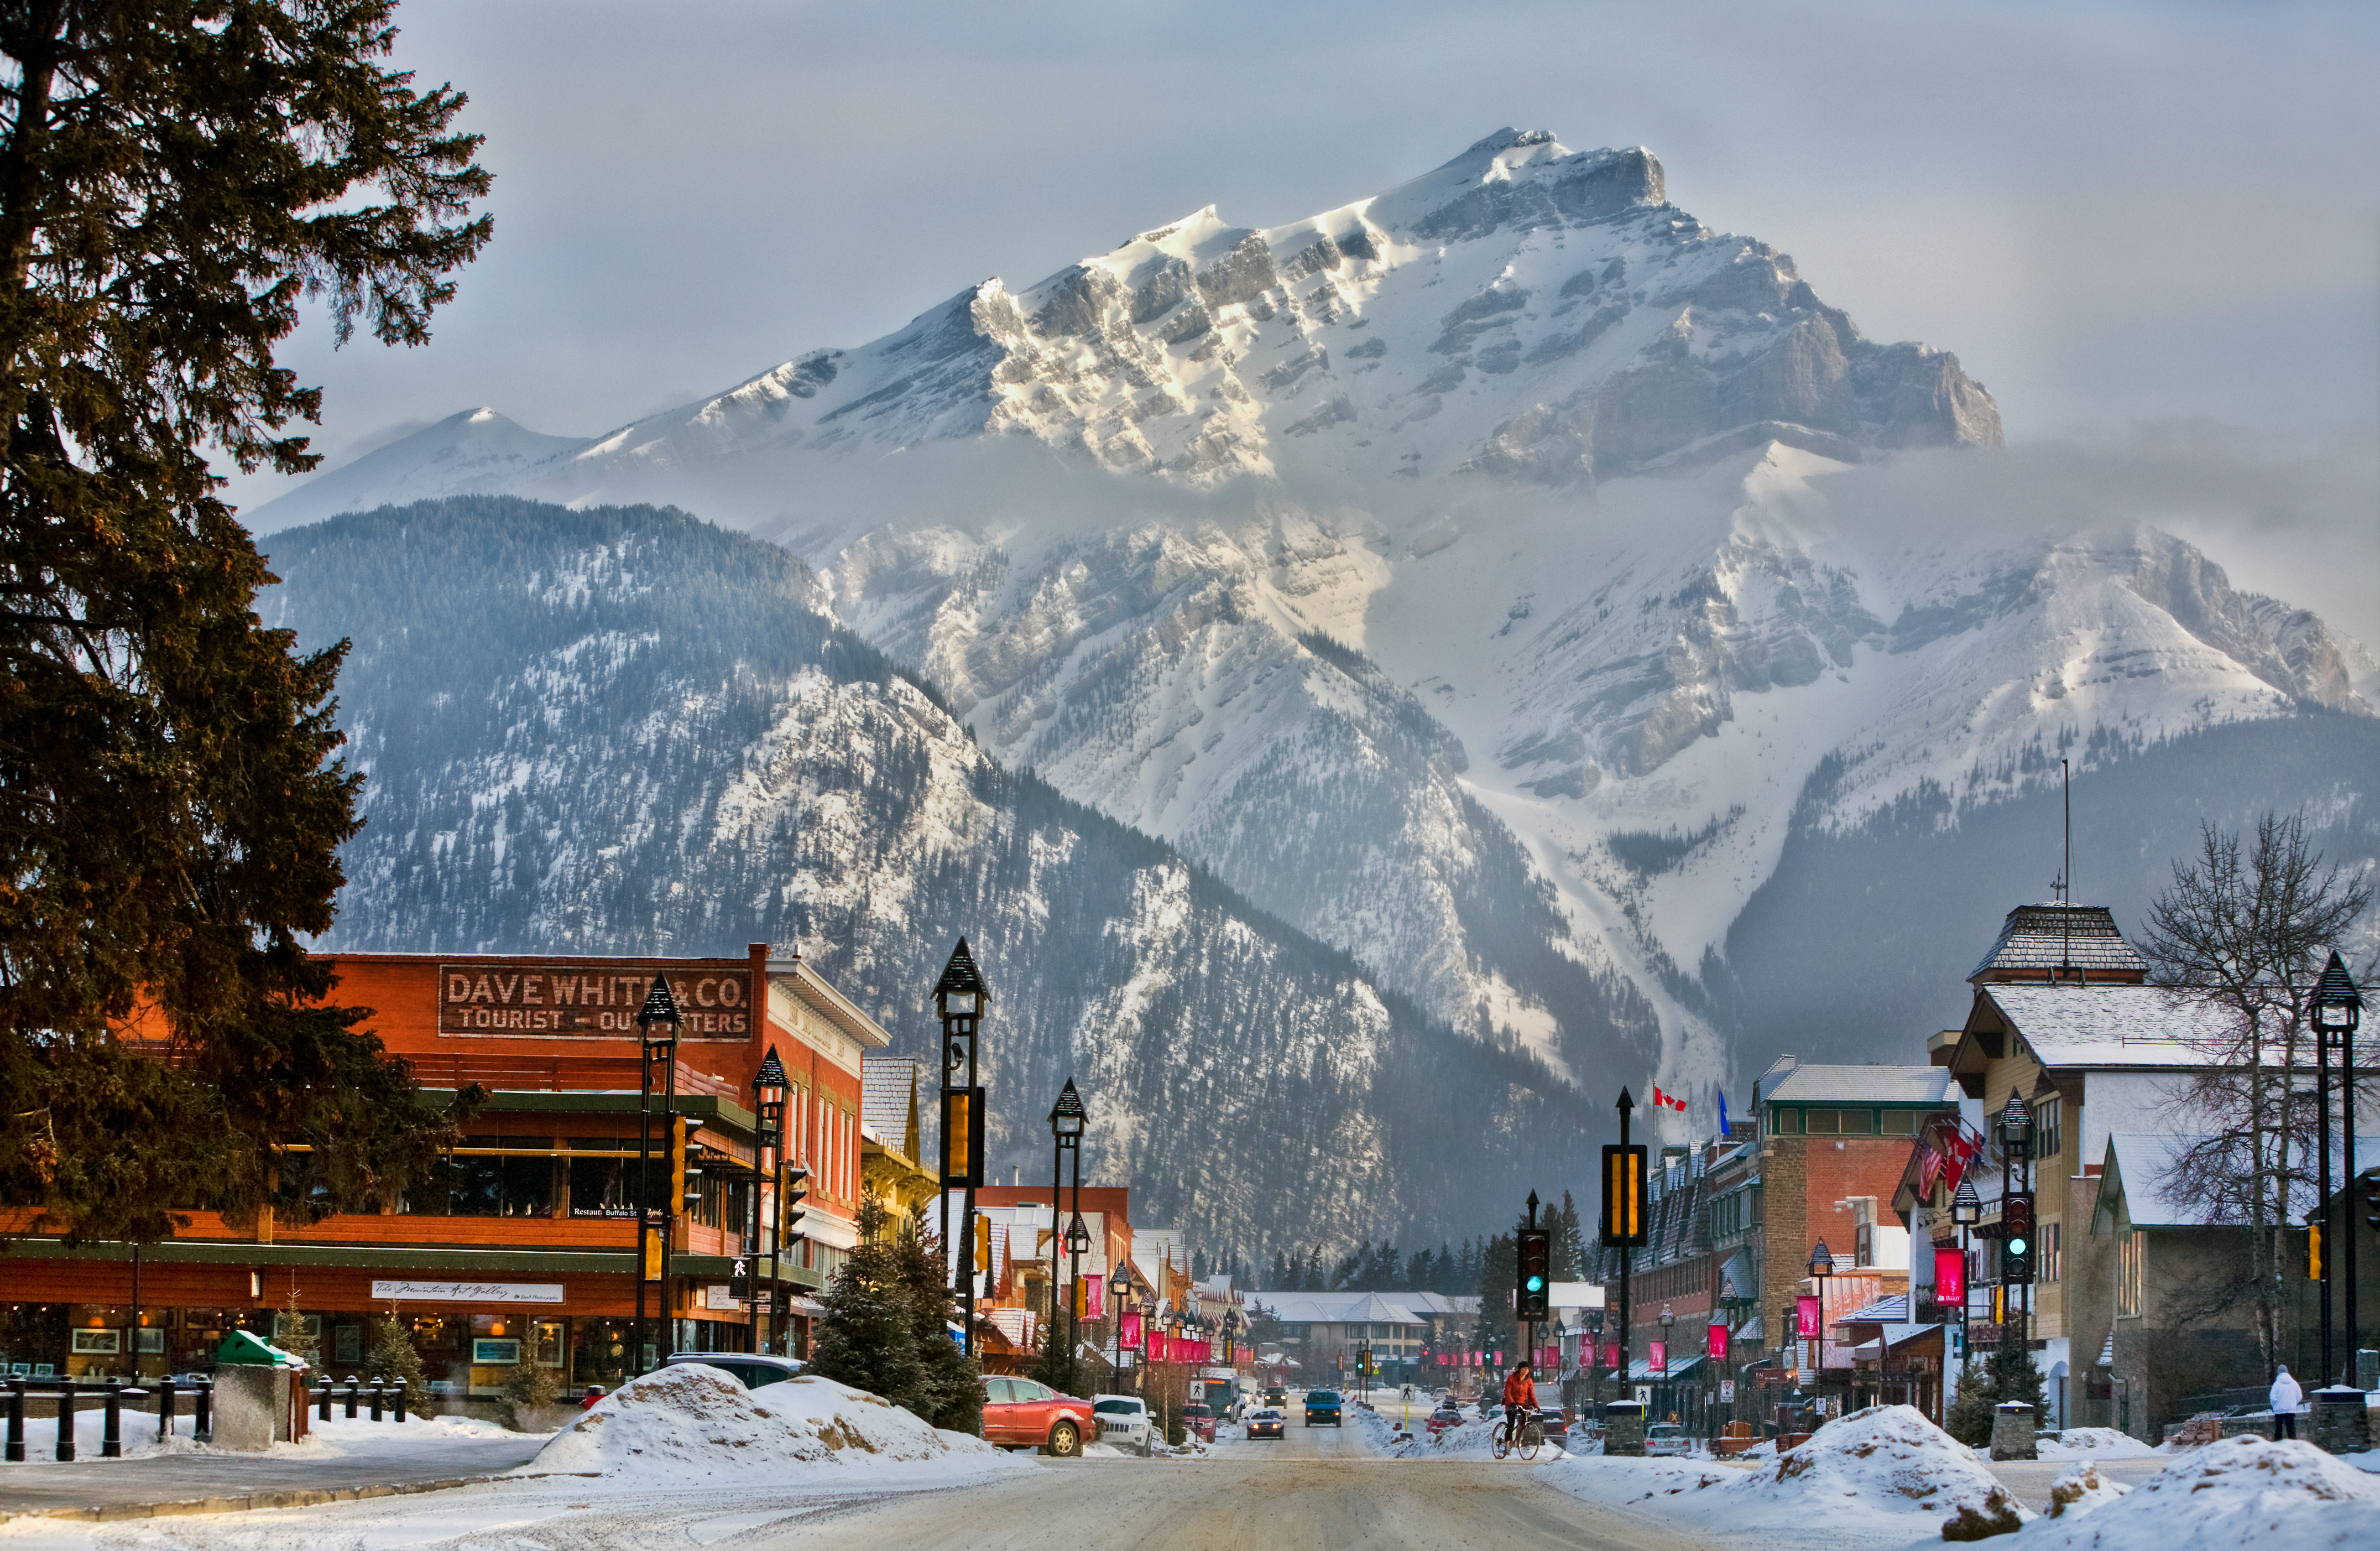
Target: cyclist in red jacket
x=1520, y=1397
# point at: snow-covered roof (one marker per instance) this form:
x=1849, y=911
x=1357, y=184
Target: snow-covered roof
x=2038, y=939
x=2139, y=1172
x=888, y=1099
x=1891, y=1309
x=2110, y=1025
x=1338, y=1308
x=1861, y=1084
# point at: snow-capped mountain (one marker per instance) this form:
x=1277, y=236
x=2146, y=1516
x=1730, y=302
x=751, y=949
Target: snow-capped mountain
x=622, y=731
x=1463, y=575
x=474, y=450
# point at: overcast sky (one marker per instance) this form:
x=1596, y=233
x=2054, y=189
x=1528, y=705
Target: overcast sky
x=2119, y=216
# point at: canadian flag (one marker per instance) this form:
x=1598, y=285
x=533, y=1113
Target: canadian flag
x=1667, y=1101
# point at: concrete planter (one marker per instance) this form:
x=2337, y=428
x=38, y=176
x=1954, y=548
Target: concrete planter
x=2342, y=1422
x=2012, y=1434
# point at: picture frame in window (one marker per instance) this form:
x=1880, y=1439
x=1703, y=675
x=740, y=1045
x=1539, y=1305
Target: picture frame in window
x=147, y=1339
x=97, y=1343
x=494, y=1352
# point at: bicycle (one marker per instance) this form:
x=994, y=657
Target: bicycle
x=1532, y=1438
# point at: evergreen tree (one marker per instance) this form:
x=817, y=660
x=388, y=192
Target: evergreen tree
x=177, y=177
x=1969, y=1418
x=868, y=1336
x=1314, y=1279
x=392, y=1355
x=1568, y=1244
x=2014, y=1377
x=950, y=1383
x=1499, y=1263
x=1280, y=1277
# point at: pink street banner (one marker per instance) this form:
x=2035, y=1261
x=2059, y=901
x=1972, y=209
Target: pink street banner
x=1095, y=1291
x=1717, y=1338
x=1806, y=1316
x=1128, y=1330
x=1658, y=1359
x=1950, y=1277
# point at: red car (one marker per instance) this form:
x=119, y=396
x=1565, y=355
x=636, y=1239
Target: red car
x=1020, y=1413
x=1200, y=1421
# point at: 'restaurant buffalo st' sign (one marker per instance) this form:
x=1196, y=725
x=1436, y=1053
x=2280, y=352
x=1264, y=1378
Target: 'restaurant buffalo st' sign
x=573, y=1001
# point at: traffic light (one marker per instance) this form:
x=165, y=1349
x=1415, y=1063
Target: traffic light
x=789, y=1208
x=962, y=1138
x=2016, y=1239
x=685, y=1167
x=982, y=1241
x=2314, y=1251
x=1534, y=1288
x=2371, y=1197
x=1625, y=1218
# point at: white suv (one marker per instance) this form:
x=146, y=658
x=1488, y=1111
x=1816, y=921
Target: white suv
x=1124, y=1421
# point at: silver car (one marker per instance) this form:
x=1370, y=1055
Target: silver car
x=1124, y=1421
x=1666, y=1438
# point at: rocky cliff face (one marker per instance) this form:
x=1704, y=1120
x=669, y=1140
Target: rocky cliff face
x=621, y=731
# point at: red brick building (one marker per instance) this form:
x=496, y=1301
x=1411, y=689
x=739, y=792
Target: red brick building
x=524, y=1249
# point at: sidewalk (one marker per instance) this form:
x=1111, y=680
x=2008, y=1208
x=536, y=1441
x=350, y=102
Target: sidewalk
x=344, y=1460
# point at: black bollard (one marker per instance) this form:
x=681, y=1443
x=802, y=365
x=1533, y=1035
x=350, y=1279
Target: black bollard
x=379, y=1387
x=400, y=1399
x=16, y=1422
x=110, y=1435
x=202, y=1412
x=323, y=1400
x=166, y=1407
x=354, y=1392
x=66, y=1420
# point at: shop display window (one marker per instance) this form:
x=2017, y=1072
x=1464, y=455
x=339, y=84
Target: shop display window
x=603, y=1186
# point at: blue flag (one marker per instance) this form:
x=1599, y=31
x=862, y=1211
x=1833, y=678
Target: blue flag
x=1722, y=1114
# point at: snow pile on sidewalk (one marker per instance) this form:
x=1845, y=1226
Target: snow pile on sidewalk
x=692, y=1422
x=2240, y=1494
x=2095, y=1443
x=2081, y=1488
x=1884, y=1473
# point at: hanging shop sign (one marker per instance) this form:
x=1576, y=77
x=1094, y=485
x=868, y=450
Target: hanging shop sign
x=544, y=1000
x=467, y=1293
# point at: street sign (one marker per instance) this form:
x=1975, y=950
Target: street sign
x=1727, y=1392
x=1644, y=1395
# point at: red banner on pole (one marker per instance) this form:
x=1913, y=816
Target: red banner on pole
x=1950, y=1277
x=1716, y=1336
x=1658, y=1358
x=1128, y=1330
x=1806, y=1316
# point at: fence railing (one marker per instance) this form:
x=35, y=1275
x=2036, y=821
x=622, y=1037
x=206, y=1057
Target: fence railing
x=388, y=1399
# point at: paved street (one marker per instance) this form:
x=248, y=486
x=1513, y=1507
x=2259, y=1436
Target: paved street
x=167, y=1478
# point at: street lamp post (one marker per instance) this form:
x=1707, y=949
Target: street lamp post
x=769, y=1085
x=1821, y=1266
x=960, y=1000
x=660, y=1011
x=1966, y=1210
x=1067, y=1117
x=2337, y=1007
x=1667, y=1321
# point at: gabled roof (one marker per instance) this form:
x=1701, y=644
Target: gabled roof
x=1891, y=1309
x=2040, y=940
x=888, y=1100
x=1861, y=1084
x=1337, y=1308
x=2144, y=1026
x=2140, y=1173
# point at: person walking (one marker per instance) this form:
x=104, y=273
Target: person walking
x=2288, y=1398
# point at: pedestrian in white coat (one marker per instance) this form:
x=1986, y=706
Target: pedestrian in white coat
x=2288, y=1400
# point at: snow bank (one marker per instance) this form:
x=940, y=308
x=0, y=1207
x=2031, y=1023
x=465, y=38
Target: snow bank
x=691, y=1423
x=2095, y=1443
x=2234, y=1495
x=1884, y=1473
x=2080, y=1489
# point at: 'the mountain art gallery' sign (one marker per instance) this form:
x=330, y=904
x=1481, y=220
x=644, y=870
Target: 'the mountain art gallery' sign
x=536, y=1000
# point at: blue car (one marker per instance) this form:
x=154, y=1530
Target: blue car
x=1321, y=1406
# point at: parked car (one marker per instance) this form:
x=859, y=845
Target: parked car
x=1200, y=1419
x=1446, y=1415
x=1666, y=1438
x=750, y=1368
x=1124, y=1421
x=1321, y=1406
x=1554, y=1422
x=1025, y=1413
x=1266, y=1423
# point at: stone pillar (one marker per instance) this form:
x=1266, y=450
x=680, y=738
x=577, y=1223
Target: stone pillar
x=1623, y=1429
x=2367, y=1370
x=2012, y=1431
x=2341, y=1425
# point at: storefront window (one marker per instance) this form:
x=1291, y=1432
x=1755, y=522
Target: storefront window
x=599, y=1352
x=484, y=1186
x=603, y=1186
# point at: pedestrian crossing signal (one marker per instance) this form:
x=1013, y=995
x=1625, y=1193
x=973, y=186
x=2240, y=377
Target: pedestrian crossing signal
x=1624, y=1206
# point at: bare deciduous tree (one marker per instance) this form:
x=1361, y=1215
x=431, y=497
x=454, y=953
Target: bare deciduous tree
x=2244, y=931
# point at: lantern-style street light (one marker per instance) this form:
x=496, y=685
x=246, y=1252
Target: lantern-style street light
x=2336, y=1007
x=1821, y=1266
x=769, y=1085
x=657, y=1028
